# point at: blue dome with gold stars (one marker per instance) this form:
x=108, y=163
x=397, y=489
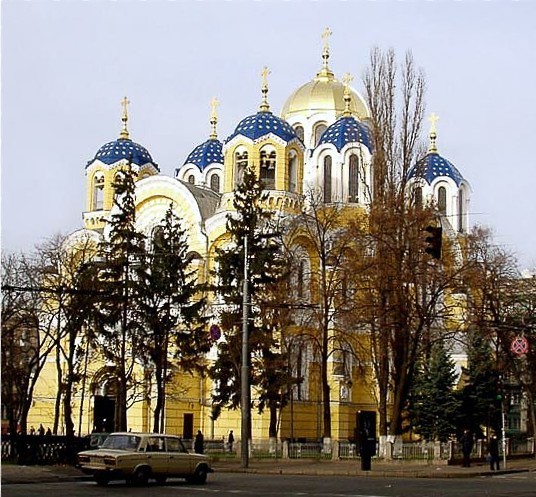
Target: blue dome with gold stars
x=432, y=166
x=347, y=130
x=261, y=124
x=207, y=153
x=123, y=148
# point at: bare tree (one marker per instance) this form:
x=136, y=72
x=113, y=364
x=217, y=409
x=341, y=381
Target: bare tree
x=26, y=340
x=320, y=230
x=501, y=309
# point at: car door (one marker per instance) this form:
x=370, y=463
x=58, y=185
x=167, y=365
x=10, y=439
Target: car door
x=156, y=454
x=179, y=459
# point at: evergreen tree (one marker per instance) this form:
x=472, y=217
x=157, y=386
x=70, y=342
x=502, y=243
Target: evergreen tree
x=170, y=306
x=433, y=402
x=265, y=269
x=122, y=250
x=479, y=397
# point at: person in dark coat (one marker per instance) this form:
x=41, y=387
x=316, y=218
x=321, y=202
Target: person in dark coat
x=230, y=441
x=494, y=459
x=198, y=443
x=467, y=447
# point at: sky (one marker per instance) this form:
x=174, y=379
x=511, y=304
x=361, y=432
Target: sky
x=67, y=64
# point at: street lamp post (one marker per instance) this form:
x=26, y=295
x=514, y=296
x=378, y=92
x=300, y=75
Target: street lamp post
x=245, y=394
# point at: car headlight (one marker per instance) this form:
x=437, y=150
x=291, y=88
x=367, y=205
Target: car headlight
x=110, y=461
x=83, y=459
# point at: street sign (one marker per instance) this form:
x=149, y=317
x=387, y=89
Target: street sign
x=519, y=346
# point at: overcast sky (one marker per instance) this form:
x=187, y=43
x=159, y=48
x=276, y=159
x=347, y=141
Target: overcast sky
x=67, y=64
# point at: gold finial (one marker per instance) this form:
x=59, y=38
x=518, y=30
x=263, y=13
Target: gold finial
x=265, y=106
x=433, y=135
x=124, y=131
x=325, y=71
x=214, y=117
x=347, y=79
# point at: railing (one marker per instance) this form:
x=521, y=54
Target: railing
x=33, y=449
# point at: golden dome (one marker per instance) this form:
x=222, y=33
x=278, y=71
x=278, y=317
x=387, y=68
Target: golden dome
x=323, y=93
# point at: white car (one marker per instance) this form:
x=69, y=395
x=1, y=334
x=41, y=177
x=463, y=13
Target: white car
x=137, y=457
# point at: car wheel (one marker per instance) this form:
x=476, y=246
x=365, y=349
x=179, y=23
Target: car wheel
x=141, y=476
x=200, y=476
x=102, y=480
x=160, y=479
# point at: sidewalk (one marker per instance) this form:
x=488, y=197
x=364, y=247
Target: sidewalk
x=12, y=473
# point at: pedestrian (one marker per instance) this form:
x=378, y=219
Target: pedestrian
x=494, y=453
x=49, y=432
x=467, y=448
x=41, y=430
x=32, y=430
x=230, y=441
x=198, y=443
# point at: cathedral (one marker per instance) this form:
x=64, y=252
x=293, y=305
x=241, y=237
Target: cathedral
x=320, y=141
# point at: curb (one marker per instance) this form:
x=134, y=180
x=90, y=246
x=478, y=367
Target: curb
x=372, y=473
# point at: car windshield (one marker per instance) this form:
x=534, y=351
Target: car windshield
x=121, y=442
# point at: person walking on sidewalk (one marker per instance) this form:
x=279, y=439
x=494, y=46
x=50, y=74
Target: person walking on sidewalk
x=467, y=447
x=494, y=459
x=198, y=443
x=230, y=441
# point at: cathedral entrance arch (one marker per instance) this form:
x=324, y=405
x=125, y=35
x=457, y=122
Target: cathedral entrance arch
x=104, y=389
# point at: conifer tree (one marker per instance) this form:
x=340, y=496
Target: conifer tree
x=171, y=308
x=479, y=396
x=433, y=401
x=265, y=268
x=122, y=250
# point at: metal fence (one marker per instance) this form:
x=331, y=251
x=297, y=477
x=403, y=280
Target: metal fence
x=31, y=449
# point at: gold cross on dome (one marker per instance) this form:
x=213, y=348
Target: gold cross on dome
x=433, y=120
x=347, y=79
x=214, y=104
x=265, y=73
x=124, y=118
x=124, y=103
x=325, y=36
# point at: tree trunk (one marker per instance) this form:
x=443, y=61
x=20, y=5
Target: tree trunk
x=272, y=429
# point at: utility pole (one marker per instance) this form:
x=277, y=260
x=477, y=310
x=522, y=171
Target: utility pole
x=244, y=400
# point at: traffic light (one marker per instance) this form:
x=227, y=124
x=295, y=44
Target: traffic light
x=433, y=241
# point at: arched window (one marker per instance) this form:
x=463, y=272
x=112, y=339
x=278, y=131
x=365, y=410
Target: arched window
x=299, y=364
x=292, y=172
x=191, y=179
x=267, y=176
x=319, y=131
x=215, y=183
x=119, y=179
x=98, y=192
x=327, y=179
x=417, y=197
x=298, y=129
x=300, y=280
x=442, y=199
x=353, y=179
x=461, y=200
x=158, y=239
x=241, y=163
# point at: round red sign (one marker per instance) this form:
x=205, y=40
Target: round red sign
x=519, y=346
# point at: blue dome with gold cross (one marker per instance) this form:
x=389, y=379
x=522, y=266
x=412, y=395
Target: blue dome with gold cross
x=433, y=165
x=123, y=147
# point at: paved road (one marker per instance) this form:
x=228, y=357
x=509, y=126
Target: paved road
x=262, y=485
